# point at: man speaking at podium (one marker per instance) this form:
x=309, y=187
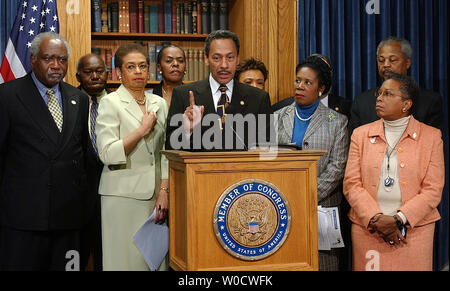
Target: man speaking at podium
x=204, y=106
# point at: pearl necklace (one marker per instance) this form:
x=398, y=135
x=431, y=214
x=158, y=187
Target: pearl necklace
x=140, y=102
x=302, y=119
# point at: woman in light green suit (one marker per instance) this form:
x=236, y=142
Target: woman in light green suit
x=130, y=132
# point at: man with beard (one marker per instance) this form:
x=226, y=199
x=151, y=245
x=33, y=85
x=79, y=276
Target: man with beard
x=43, y=147
x=394, y=56
x=92, y=75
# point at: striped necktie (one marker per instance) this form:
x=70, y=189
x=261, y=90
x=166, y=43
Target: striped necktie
x=223, y=103
x=93, y=118
x=55, y=109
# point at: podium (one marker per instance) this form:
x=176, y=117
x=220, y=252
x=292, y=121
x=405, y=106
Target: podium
x=243, y=211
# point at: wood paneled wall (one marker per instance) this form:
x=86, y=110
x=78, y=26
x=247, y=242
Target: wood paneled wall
x=75, y=26
x=268, y=31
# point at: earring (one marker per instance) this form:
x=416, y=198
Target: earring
x=160, y=72
x=120, y=78
x=320, y=94
x=404, y=109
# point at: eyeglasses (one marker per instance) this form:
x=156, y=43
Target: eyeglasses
x=387, y=94
x=132, y=67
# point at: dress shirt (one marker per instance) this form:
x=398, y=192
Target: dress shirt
x=214, y=85
x=43, y=90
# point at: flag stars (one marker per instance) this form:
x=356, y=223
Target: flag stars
x=24, y=4
x=55, y=18
x=47, y=11
x=42, y=25
x=23, y=16
x=28, y=44
x=34, y=8
x=31, y=32
x=21, y=28
x=52, y=28
x=32, y=20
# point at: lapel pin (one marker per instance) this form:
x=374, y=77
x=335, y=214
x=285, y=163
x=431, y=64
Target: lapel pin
x=373, y=139
x=290, y=110
x=337, y=108
x=242, y=102
x=74, y=102
x=414, y=135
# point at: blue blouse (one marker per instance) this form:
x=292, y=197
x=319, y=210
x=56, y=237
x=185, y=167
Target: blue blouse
x=300, y=126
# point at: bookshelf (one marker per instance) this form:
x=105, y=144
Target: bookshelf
x=267, y=30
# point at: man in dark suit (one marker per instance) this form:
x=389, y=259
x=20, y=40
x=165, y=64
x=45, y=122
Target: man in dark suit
x=43, y=145
x=394, y=56
x=215, y=99
x=92, y=75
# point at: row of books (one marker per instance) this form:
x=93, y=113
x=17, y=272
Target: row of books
x=195, y=64
x=152, y=16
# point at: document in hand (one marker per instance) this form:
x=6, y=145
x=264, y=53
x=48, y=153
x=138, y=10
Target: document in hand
x=329, y=229
x=152, y=241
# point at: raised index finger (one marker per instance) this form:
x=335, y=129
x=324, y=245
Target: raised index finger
x=191, y=98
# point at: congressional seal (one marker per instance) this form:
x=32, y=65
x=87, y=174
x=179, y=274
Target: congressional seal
x=252, y=219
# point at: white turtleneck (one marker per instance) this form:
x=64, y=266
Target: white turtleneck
x=390, y=198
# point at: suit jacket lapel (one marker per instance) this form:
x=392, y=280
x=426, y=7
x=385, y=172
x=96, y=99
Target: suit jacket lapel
x=33, y=102
x=203, y=96
x=287, y=123
x=129, y=104
x=71, y=105
x=238, y=100
x=318, y=117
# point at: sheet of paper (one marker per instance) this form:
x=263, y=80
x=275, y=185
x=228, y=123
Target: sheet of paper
x=329, y=228
x=152, y=241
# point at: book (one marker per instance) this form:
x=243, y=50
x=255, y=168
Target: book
x=182, y=18
x=223, y=14
x=194, y=17
x=178, y=18
x=96, y=21
x=114, y=16
x=133, y=16
x=158, y=75
x=152, y=56
x=140, y=13
x=206, y=17
x=153, y=18
x=214, y=14
x=174, y=17
x=196, y=63
x=167, y=16
x=188, y=17
x=160, y=12
x=147, y=18
x=199, y=17
x=104, y=7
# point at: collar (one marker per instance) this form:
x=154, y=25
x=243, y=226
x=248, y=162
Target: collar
x=42, y=88
x=215, y=85
x=413, y=129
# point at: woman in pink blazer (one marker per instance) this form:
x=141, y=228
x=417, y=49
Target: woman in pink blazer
x=393, y=182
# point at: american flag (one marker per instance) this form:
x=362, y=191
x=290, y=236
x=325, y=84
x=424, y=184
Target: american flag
x=33, y=17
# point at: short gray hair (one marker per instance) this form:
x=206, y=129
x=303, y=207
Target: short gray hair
x=36, y=43
x=405, y=44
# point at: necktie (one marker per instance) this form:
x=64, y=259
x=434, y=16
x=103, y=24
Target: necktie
x=223, y=103
x=93, y=117
x=55, y=109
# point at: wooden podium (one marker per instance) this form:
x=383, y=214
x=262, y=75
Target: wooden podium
x=198, y=180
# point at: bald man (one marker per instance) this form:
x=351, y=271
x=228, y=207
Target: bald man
x=92, y=75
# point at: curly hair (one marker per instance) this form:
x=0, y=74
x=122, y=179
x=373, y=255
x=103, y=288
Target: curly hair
x=251, y=64
x=322, y=69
